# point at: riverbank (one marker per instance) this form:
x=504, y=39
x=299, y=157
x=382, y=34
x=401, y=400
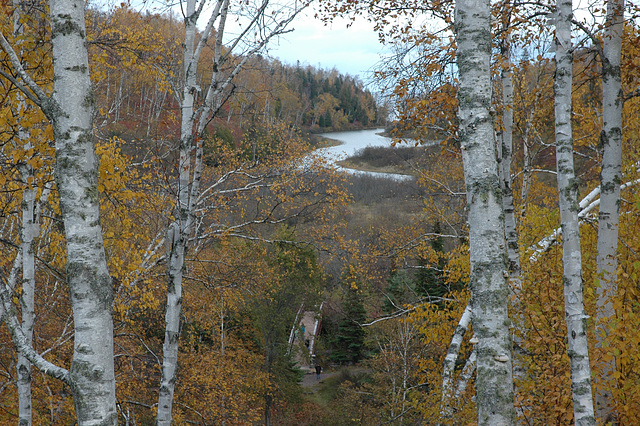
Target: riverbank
x=371, y=151
x=402, y=160
x=324, y=142
x=353, y=163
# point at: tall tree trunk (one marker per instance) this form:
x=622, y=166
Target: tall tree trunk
x=28, y=233
x=568, y=199
x=506, y=140
x=193, y=123
x=188, y=189
x=608, y=217
x=510, y=223
x=177, y=233
x=70, y=110
x=92, y=368
x=488, y=277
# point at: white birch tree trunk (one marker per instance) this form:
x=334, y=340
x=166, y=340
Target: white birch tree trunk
x=177, y=233
x=510, y=223
x=28, y=233
x=188, y=188
x=506, y=141
x=92, y=368
x=70, y=110
x=608, y=218
x=568, y=200
x=488, y=277
x=193, y=122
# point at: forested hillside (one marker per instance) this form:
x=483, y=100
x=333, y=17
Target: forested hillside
x=135, y=58
x=165, y=224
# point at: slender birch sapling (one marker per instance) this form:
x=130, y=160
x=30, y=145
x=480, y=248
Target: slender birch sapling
x=575, y=316
x=609, y=214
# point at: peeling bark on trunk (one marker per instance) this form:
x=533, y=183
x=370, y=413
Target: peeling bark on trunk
x=450, y=362
x=568, y=200
x=92, y=369
x=608, y=218
x=488, y=277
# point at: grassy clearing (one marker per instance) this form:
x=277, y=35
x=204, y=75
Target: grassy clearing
x=328, y=389
x=318, y=141
x=401, y=160
x=371, y=189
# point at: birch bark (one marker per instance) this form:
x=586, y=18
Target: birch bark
x=450, y=362
x=194, y=119
x=608, y=218
x=70, y=111
x=466, y=374
x=506, y=142
x=28, y=233
x=568, y=200
x=510, y=223
x=92, y=368
x=179, y=230
x=488, y=277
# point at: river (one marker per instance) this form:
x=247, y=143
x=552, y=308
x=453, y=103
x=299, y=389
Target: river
x=353, y=141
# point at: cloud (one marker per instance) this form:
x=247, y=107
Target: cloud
x=351, y=50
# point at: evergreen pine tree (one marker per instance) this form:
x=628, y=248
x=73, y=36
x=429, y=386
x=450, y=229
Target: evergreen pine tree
x=349, y=341
x=399, y=292
x=430, y=279
x=327, y=119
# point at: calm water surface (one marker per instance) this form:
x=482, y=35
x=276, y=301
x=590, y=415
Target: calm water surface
x=353, y=141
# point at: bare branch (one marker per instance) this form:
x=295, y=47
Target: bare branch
x=35, y=93
x=20, y=340
x=587, y=204
x=401, y=312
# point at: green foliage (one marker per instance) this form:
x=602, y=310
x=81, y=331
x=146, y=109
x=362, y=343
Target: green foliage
x=348, y=343
x=430, y=277
x=327, y=120
x=296, y=281
x=217, y=144
x=354, y=102
x=401, y=290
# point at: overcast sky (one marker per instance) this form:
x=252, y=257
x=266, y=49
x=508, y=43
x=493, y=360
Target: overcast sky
x=354, y=50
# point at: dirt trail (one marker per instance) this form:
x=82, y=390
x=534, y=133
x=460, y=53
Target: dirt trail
x=310, y=380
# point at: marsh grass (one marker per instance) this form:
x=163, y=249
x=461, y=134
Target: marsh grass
x=401, y=159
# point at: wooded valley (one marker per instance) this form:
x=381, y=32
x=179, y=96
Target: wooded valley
x=166, y=220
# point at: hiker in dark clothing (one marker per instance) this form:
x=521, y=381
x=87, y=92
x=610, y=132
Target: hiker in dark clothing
x=318, y=371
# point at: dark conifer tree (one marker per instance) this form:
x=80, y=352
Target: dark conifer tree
x=349, y=341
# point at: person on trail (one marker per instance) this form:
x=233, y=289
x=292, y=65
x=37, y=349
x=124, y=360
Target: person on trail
x=318, y=371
